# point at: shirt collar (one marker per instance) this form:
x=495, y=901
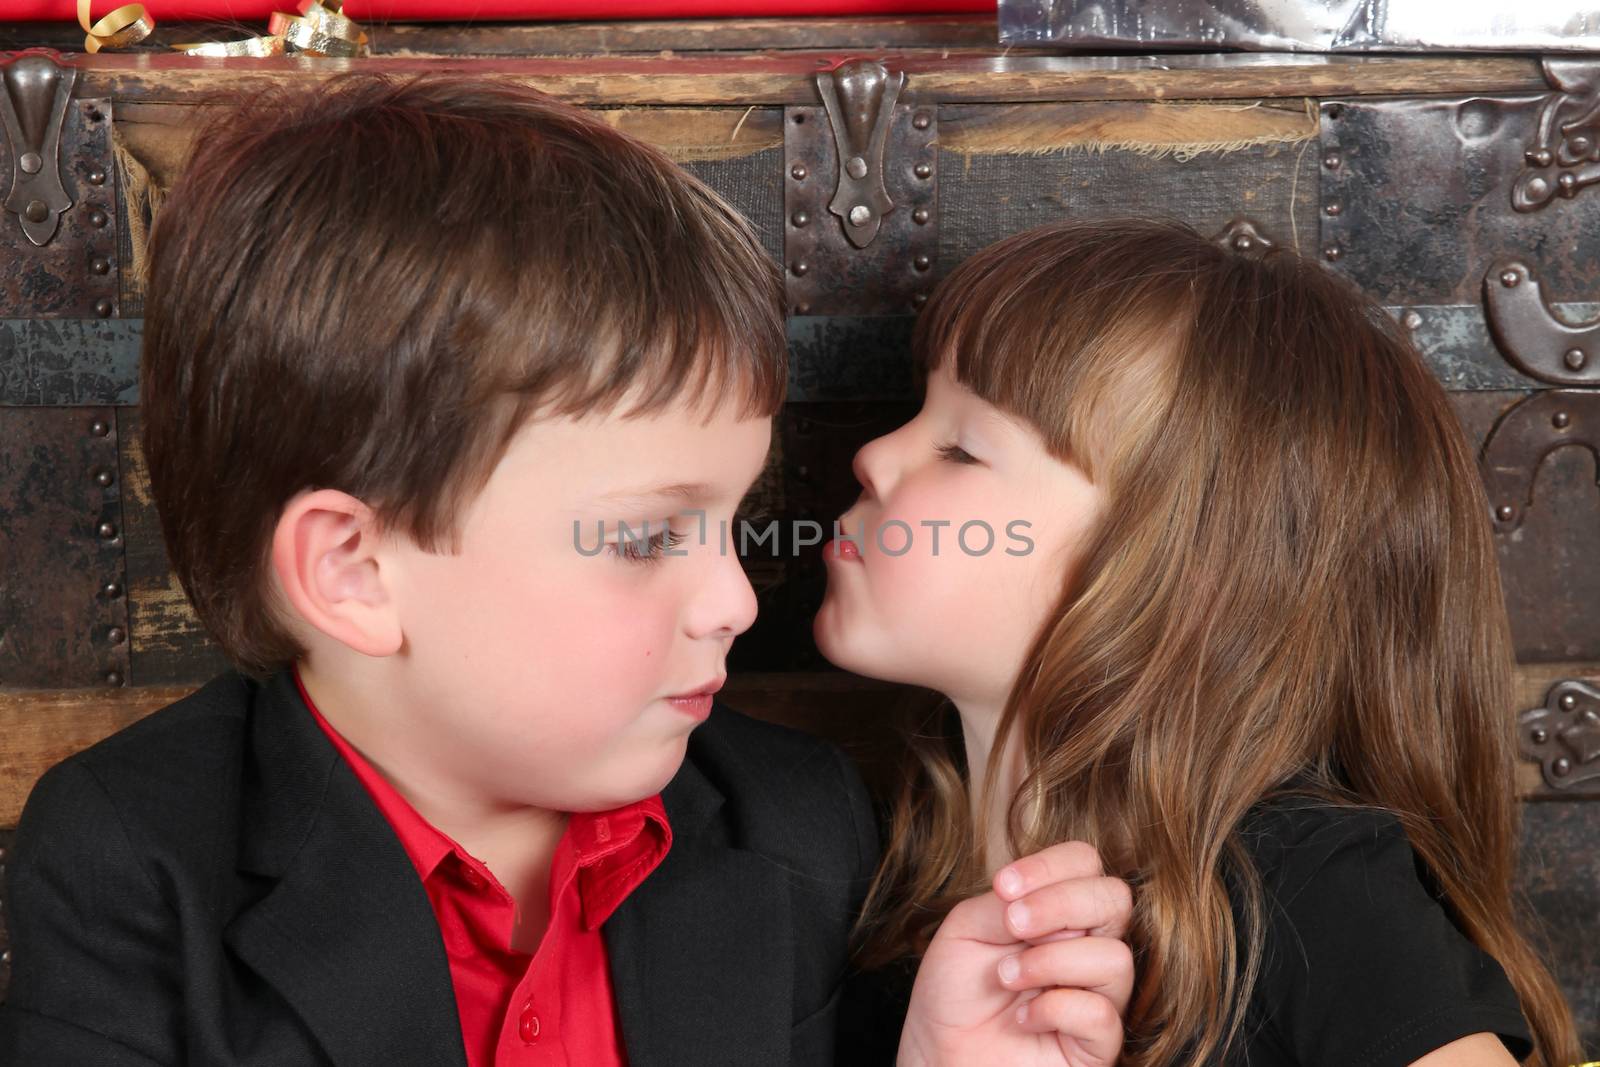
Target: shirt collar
x=614, y=850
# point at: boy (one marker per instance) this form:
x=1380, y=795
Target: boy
x=412, y=354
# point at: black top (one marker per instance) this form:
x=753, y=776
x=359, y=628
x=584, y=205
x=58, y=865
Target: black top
x=1361, y=964
x=213, y=886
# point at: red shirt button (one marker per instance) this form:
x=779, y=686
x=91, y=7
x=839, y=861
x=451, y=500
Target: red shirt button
x=528, y=1025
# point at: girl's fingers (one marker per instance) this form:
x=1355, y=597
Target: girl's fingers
x=1070, y=859
x=1088, y=1018
x=1102, y=906
x=979, y=918
x=1100, y=965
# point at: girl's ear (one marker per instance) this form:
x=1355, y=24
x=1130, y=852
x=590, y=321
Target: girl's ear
x=327, y=555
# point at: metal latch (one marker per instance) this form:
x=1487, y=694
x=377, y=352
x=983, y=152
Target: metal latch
x=34, y=106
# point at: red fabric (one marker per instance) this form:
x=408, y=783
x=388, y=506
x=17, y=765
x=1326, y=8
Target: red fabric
x=556, y=1007
x=532, y=10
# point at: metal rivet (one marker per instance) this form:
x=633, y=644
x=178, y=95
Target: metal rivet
x=798, y=172
x=1510, y=278
x=116, y=635
x=1539, y=735
x=1504, y=512
x=801, y=218
x=99, y=427
x=100, y=265
x=922, y=263
x=113, y=677
x=1567, y=184
x=97, y=218
x=5, y=957
x=1243, y=243
x=1332, y=253
x=800, y=268
x=30, y=162
x=107, y=531
x=111, y=590
x=1561, y=767
x=921, y=120
x=1538, y=188
x=1540, y=157
x=1561, y=420
x=802, y=309
x=1412, y=320
x=36, y=211
x=1567, y=701
x=860, y=215
x=1580, y=144
x=103, y=478
x=97, y=177
x=921, y=216
x=1575, y=358
x=1333, y=208
x=103, y=308
x=922, y=170
x=856, y=167
x=919, y=299
x=1332, y=161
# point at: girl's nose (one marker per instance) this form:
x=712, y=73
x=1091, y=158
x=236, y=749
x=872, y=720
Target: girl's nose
x=872, y=464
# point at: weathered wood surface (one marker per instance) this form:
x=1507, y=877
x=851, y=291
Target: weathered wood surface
x=787, y=78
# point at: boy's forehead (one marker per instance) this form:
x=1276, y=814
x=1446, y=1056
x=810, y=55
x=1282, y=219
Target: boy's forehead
x=611, y=459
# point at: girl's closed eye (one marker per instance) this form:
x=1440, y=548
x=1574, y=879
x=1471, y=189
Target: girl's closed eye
x=636, y=548
x=955, y=453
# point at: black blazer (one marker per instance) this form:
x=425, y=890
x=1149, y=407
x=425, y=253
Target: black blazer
x=214, y=886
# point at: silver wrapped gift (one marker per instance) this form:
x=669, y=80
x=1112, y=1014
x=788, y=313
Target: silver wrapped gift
x=1304, y=25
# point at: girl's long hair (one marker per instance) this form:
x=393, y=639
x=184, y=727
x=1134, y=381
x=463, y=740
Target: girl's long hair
x=1294, y=580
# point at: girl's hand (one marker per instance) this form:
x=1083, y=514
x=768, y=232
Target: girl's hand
x=1032, y=974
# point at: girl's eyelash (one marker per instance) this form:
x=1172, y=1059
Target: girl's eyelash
x=647, y=550
x=955, y=453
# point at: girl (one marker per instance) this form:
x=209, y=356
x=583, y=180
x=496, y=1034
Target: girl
x=1193, y=545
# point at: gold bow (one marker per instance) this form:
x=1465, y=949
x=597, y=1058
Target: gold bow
x=320, y=29
x=127, y=25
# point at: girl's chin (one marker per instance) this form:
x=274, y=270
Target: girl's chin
x=847, y=649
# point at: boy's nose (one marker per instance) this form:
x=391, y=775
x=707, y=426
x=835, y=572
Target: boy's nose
x=725, y=604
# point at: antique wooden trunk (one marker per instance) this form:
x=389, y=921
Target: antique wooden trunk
x=1455, y=189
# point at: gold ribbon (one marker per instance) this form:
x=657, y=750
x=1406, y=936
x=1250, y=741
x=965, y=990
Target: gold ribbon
x=127, y=25
x=320, y=29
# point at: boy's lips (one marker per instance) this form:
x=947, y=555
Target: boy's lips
x=697, y=703
x=709, y=689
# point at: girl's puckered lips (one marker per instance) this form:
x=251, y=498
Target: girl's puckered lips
x=842, y=549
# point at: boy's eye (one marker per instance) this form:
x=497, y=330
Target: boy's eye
x=956, y=454
x=646, y=549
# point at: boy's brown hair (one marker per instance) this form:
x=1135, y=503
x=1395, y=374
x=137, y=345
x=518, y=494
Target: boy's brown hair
x=371, y=286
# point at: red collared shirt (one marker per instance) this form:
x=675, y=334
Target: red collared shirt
x=554, y=1008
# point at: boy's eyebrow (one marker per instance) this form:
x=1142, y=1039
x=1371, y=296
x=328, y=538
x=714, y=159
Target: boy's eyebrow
x=674, y=491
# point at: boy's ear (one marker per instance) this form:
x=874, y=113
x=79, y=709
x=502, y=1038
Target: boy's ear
x=327, y=553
